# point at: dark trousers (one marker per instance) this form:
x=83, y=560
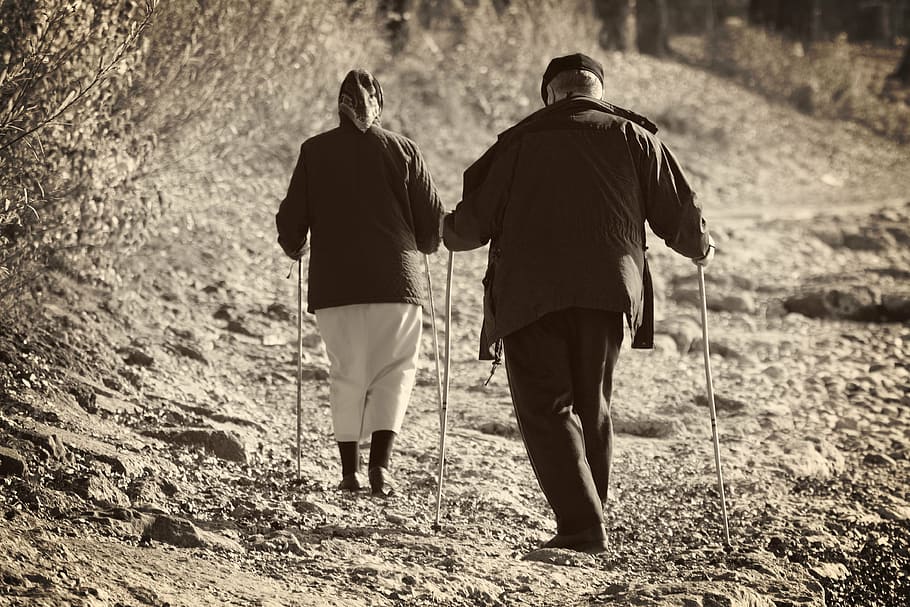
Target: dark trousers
x=561, y=376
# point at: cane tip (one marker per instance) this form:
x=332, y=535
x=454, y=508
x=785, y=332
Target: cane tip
x=728, y=547
x=436, y=527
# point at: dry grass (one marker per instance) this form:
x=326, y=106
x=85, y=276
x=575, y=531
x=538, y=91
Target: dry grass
x=832, y=79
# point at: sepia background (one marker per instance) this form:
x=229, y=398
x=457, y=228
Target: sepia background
x=148, y=343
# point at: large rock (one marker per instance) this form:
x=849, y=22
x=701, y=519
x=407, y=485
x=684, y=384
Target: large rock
x=646, y=427
x=279, y=541
x=896, y=306
x=135, y=357
x=683, y=329
x=868, y=240
x=184, y=534
x=717, y=346
x=879, y=459
x=60, y=442
x=850, y=303
x=742, y=303
x=311, y=506
x=692, y=593
x=47, y=439
x=220, y=443
x=812, y=459
x=900, y=233
x=722, y=403
x=188, y=351
x=496, y=428
x=830, y=571
x=862, y=238
x=150, y=493
x=665, y=344
x=100, y=490
x=240, y=327
x=315, y=373
x=280, y=311
x=84, y=395
x=12, y=463
x=224, y=312
x=688, y=295
x=560, y=556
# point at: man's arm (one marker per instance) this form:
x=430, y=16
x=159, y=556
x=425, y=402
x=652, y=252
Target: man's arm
x=671, y=207
x=485, y=193
x=292, y=219
x=426, y=208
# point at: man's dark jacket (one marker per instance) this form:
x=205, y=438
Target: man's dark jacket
x=564, y=196
x=369, y=204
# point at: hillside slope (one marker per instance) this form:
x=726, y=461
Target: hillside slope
x=148, y=425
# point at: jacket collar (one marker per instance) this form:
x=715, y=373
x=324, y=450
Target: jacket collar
x=571, y=105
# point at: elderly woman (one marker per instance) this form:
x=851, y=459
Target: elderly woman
x=366, y=199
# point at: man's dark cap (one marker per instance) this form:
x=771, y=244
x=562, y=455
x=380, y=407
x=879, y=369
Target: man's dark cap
x=577, y=61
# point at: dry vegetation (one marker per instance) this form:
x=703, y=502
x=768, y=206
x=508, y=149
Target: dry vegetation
x=104, y=102
x=831, y=79
x=166, y=316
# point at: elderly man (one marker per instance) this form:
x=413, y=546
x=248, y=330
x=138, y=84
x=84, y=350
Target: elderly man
x=562, y=197
x=366, y=198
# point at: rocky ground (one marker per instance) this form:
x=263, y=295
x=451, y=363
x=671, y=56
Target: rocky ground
x=147, y=423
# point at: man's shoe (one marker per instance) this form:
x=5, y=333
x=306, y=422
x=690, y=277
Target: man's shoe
x=381, y=482
x=591, y=541
x=350, y=482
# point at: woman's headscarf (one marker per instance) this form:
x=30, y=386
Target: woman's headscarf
x=360, y=99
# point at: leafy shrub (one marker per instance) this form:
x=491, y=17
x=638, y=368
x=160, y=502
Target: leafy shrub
x=830, y=79
x=57, y=57
x=101, y=100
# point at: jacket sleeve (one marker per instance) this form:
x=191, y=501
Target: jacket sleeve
x=292, y=219
x=671, y=208
x=477, y=218
x=426, y=207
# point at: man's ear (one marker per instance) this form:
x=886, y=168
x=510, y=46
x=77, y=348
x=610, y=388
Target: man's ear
x=551, y=95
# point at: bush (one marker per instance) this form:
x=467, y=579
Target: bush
x=57, y=57
x=101, y=100
x=830, y=79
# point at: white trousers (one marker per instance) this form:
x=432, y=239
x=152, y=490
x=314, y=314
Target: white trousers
x=373, y=351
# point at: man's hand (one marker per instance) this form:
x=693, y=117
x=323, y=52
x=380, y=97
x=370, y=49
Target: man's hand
x=299, y=253
x=704, y=261
x=460, y=235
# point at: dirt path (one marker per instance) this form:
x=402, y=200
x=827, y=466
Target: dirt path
x=164, y=473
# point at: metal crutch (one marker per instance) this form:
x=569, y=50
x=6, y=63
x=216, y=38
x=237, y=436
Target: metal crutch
x=445, y=391
x=710, y=384
x=299, y=354
x=426, y=261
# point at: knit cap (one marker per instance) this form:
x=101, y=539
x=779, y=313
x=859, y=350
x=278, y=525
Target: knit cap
x=576, y=61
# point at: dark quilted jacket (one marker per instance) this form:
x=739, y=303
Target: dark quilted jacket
x=564, y=197
x=369, y=205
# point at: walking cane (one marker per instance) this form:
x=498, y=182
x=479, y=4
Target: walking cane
x=426, y=262
x=710, y=383
x=445, y=390
x=299, y=353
